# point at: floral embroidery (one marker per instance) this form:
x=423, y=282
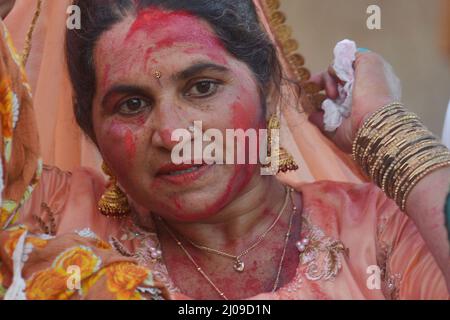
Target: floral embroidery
x=47, y=227
x=147, y=252
x=148, y=243
x=322, y=254
x=391, y=280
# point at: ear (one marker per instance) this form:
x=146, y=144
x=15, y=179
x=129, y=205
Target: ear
x=6, y=7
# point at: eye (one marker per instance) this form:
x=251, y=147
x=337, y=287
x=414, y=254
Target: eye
x=203, y=89
x=133, y=106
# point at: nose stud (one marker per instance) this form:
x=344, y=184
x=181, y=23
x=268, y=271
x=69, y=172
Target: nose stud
x=157, y=74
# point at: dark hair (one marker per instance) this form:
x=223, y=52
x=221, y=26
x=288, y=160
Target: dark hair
x=235, y=22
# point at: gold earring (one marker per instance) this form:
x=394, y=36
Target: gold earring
x=114, y=202
x=286, y=161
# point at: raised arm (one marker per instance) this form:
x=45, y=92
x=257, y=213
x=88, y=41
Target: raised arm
x=395, y=150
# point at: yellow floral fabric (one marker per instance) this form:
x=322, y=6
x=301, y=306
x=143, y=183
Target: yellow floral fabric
x=72, y=266
x=21, y=165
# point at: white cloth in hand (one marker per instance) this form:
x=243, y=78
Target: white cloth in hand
x=337, y=110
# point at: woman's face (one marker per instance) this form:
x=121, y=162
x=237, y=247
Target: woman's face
x=135, y=112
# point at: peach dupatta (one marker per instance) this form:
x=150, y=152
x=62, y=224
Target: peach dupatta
x=63, y=144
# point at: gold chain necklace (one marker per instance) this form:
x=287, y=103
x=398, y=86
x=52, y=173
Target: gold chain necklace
x=239, y=265
x=280, y=266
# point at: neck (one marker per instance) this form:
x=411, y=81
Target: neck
x=240, y=222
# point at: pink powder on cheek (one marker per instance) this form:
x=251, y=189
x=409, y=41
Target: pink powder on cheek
x=121, y=144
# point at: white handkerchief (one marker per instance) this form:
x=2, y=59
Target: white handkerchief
x=337, y=110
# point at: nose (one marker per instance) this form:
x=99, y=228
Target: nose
x=167, y=119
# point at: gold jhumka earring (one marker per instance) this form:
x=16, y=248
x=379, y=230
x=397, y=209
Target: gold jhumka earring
x=114, y=202
x=286, y=161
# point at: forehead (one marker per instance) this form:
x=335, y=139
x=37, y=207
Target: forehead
x=154, y=36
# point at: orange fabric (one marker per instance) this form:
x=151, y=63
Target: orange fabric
x=19, y=142
x=370, y=226
x=64, y=146
x=62, y=143
x=37, y=266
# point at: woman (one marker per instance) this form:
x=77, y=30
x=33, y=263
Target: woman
x=140, y=71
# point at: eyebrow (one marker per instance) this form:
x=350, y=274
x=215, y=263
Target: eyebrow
x=198, y=68
x=183, y=75
x=123, y=89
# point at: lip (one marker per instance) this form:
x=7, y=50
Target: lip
x=164, y=173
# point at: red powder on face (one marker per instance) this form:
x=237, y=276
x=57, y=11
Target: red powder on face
x=125, y=138
x=240, y=179
x=170, y=28
x=241, y=117
x=130, y=144
x=150, y=19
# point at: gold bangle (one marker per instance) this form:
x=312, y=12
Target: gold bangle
x=396, y=151
x=394, y=127
x=402, y=184
x=428, y=171
x=391, y=150
x=388, y=174
x=422, y=153
x=377, y=134
x=388, y=142
x=368, y=124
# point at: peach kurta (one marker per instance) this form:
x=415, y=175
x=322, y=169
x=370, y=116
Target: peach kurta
x=384, y=257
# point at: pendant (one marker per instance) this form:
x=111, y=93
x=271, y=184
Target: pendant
x=239, y=266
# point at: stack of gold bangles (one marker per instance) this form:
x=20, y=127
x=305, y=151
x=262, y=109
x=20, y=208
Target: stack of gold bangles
x=396, y=151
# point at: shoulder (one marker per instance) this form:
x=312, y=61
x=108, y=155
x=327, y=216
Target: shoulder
x=56, y=182
x=363, y=196
x=58, y=194
x=346, y=207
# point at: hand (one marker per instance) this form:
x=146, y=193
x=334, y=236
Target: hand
x=376, y=85
x=5, y=7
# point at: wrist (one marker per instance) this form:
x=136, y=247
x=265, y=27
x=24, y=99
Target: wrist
x=375, y=106
x=397, y=151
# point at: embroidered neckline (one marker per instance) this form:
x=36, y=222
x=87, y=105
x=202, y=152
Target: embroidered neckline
x=320, y=260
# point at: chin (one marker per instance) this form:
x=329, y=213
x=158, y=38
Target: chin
x=196, y=205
